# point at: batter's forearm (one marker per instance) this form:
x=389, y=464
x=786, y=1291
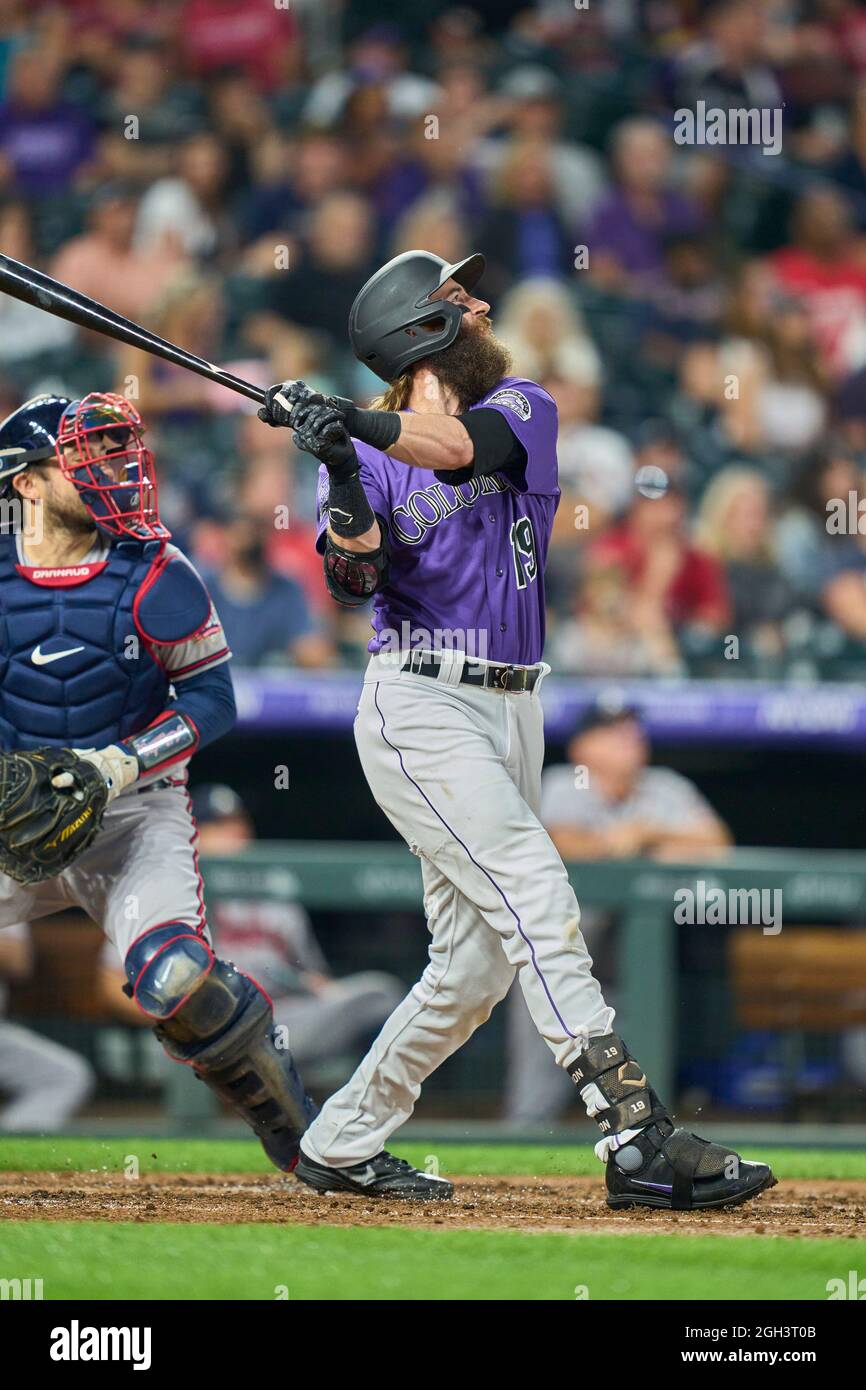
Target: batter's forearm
x=438, y=442
x=370, y=540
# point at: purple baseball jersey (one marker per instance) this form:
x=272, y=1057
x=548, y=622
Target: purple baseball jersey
x=467, y=559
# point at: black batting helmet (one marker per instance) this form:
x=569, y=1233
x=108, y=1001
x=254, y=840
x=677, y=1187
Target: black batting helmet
x=393, y=321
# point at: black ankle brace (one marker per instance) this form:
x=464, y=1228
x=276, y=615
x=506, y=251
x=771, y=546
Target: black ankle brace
x=632, y=1103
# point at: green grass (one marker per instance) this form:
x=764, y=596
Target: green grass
x=94, y=1260
x=98, y=1260
x=245, y=1156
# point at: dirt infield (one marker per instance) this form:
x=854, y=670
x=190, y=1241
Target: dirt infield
x=575, y=1205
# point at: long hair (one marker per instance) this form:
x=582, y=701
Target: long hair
x=396, y=394
x=712, y=531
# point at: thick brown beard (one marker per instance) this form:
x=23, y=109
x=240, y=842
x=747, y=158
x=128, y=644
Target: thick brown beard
x=474, y=363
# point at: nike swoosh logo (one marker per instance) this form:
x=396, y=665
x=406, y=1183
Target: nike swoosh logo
x=336, y=511
x=40, y=658
x=367, y=1176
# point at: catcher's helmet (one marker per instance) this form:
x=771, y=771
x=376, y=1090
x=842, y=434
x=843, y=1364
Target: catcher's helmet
x=97, y=443
x=29, y=435
x=393, y=321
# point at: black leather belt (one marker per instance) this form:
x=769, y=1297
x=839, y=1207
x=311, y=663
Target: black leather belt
x=516, y=680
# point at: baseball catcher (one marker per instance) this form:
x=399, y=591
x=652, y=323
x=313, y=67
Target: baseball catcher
x=113, y=672
x=439, y=503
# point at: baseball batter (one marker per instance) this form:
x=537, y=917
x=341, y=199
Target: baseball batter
x=440, y=502
x=110, y=646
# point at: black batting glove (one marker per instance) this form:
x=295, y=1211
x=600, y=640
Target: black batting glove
x=324, y=435
x=313, y=399
x=282, y=400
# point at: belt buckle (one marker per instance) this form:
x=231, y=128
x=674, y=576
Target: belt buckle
x=499, y=677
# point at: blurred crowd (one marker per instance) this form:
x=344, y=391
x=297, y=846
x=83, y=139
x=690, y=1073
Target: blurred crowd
x=229, y=172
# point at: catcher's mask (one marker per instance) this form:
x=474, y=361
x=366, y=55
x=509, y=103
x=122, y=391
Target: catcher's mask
x=100, y=451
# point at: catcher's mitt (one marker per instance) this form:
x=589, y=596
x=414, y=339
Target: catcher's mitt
x=43, y=827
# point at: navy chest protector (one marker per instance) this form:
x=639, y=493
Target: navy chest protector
x=75, y=661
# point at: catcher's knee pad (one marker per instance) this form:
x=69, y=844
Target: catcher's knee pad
x=218, y=1021
x=631, y=1102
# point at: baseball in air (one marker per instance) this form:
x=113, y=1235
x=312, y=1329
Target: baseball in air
x=651, y=481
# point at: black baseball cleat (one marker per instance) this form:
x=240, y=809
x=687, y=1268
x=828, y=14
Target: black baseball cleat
x=382, y=1176
x=673, y=1169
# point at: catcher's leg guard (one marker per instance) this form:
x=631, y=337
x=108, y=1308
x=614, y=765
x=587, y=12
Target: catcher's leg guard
x=221, y=1023
x=649, y=1162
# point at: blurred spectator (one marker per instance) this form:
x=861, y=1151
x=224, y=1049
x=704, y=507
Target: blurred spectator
x=276, y=479
x=433, y=163
x=530, y=110
x=524, y=232
x=44, y=142
x=321, y=166
x=265, y=614
x=185, y=214
x=790, y=400
x=216, y=34
x=337, y=258
x=606, y=802
x=627, y=233
x=596, y=464
x=824, y=266
x=735, y=525
x=539, y=322
x=616, y=806
x=602, y=634
x=187, y=312
x=268, y=201
x=146, y=91
x=729, y=66
x=719, y=406
x=803, y=542
x=327, y=1019
x=686, y=300
x=104, y=263
x=25, y=331
x=41, y=1083
x=434, y=223
x=241, y=119
x=378, y=59
x=843, y=587
x=676, y=589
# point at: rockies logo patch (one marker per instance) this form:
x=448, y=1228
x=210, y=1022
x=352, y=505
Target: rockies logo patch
x=512, y=400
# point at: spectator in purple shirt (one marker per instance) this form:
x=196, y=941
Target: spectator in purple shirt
x=44, y=141
x=627, y=234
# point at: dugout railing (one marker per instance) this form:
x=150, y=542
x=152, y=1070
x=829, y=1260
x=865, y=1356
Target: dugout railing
x=815, y=886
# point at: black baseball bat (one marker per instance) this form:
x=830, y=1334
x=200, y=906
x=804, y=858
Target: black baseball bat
x=33, y=287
